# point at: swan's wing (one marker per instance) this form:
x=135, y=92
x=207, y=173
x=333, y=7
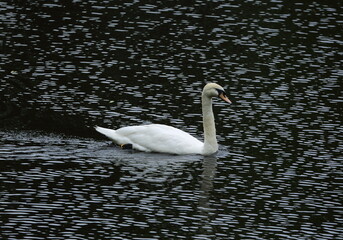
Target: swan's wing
x=159, y=138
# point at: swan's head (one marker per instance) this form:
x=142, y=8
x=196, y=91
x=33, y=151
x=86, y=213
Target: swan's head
x=214, y=90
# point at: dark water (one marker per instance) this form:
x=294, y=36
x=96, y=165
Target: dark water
x=68, y=65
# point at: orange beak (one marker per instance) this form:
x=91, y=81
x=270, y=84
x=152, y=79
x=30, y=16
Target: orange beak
x=222, y=96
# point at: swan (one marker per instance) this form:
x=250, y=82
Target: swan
x=166, y=139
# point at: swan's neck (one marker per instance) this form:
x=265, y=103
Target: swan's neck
x=210, y=140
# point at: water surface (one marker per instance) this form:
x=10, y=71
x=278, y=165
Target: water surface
x=67, y=66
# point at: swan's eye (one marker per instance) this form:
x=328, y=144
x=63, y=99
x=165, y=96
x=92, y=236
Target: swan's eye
x=220, y=92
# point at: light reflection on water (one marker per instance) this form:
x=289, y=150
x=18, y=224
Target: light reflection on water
x=67, y=67
x=65, y=187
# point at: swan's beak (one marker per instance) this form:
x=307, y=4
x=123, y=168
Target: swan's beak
x=224, y=97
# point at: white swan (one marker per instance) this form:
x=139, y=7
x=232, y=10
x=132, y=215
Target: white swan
x=167, y=139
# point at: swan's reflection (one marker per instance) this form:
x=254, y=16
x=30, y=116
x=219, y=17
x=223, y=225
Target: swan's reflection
x=210, y=167
x=209, y=171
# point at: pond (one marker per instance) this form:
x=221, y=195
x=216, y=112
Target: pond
x=68, y=66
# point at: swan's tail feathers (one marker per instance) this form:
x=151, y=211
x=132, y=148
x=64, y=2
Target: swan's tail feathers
x=110, y=133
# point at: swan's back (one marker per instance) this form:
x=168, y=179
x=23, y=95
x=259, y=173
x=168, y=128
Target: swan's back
x=155, y=138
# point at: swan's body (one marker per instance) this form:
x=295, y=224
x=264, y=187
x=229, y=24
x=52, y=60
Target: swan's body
x=167, y=139
x=155, y=138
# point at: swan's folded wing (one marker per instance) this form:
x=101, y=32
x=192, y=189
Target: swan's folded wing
x=160, y=138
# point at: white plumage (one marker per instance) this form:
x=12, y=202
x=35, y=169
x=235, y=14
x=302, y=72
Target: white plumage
x=155, y=138
x=167, y=139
